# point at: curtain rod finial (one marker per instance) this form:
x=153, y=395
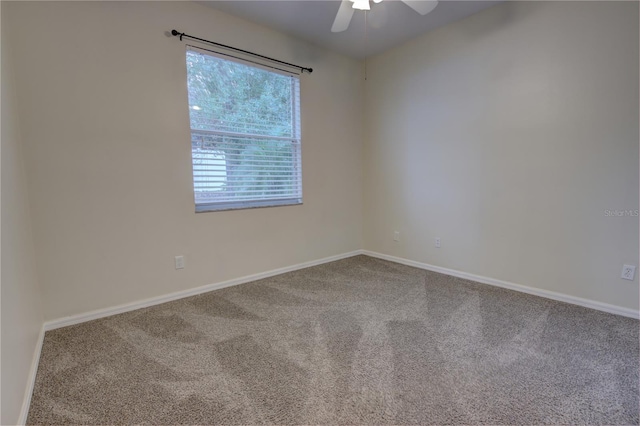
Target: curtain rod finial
x=174, y=32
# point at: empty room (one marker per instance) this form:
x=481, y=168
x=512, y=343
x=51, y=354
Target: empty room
x=320, y=212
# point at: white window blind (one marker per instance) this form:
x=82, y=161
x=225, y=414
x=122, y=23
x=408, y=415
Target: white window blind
x=245, y=133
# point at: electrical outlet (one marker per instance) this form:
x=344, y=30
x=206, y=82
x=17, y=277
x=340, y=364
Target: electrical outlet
x=628, y=272
x=438, y=242
x=179, y=262
x=396, y=236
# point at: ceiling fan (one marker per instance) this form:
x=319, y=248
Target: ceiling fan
x=347, y=7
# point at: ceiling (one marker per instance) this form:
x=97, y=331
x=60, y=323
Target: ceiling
x=390, y=23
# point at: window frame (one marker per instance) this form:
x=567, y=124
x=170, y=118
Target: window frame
x=295, y=140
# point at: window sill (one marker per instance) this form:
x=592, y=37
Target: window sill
x=218, y=207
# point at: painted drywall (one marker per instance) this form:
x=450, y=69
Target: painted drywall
x=105, y=126
x=21, y=310
x=509, y=135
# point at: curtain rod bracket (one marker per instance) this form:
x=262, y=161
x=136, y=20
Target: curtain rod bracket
x=302, y=69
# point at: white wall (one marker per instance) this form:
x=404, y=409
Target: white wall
x=103, y=103
x=21, y=310
x=507, y=135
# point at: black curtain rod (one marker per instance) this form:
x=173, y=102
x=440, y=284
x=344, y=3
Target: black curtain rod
x=178, y=33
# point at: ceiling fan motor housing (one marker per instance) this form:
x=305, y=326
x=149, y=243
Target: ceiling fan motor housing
x=347, y=7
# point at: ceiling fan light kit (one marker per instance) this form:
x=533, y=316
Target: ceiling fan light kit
x=347, y=7
x=360, y=4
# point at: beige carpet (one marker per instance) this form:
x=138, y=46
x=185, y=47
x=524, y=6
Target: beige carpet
x=358, y=341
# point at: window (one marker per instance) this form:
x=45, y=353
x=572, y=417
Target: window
x=245, y=133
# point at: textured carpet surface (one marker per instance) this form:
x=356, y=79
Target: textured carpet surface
x=357, y=341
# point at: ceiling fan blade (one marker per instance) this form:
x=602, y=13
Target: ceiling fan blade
x=343, y=18
x=421, y=6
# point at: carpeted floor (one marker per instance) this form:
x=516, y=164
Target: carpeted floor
x=357, y=341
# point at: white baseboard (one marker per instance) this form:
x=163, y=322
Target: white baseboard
x=605, y=307
x=101, y=313
x=31, y=380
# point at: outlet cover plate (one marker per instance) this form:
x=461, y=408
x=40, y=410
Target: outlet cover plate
x=628, y=272
x=179, y=262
